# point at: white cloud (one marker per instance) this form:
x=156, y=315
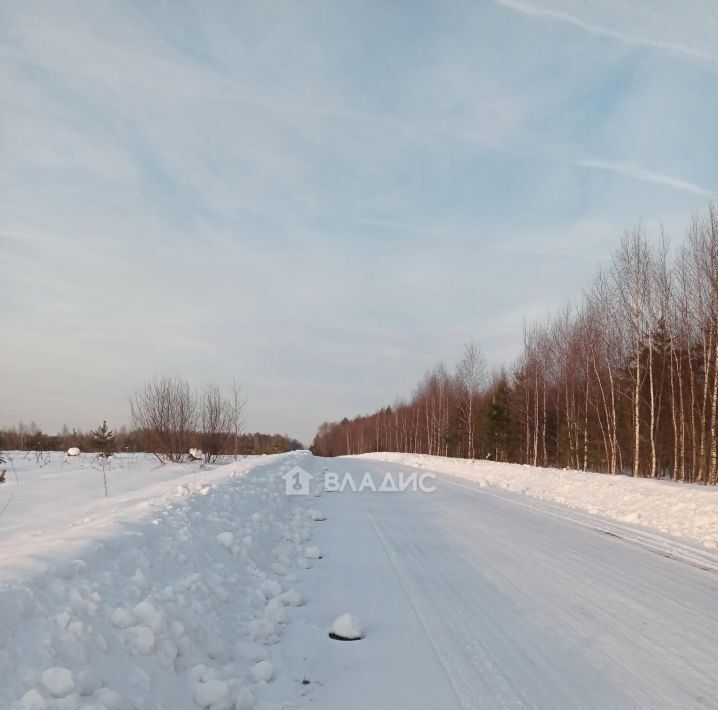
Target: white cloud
x=688, y=28
x=638, y=172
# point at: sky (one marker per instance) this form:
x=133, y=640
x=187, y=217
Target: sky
x=324, y=199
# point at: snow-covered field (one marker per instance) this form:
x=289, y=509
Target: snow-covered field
x=172, y=593
x=679, y=509
x=195, y=587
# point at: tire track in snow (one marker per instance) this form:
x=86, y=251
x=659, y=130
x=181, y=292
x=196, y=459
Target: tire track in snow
x=411, y=599
x=536, y=609
x=671, y=549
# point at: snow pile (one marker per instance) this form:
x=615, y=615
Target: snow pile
x=174, y=602
x=262, y=671
x=679, y=509
x=57, y=682
x=347, y=628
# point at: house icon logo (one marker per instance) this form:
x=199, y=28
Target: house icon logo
x=296, y=481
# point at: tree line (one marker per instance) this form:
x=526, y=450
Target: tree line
x=169, y=418
x=626, y=381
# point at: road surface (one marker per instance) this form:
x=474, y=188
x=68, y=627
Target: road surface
x=477, y=598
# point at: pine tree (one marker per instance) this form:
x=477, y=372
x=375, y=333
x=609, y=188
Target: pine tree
x=497, y=421
x=103, y=440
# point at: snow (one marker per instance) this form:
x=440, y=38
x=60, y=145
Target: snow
x=275, y=612
x=32, y=700
x=57, y=682
x=122, y=618
x=142, y=639
x=262, y=672
x=245, y=699
x=132, y=602
x=480, y=597
x=146, y=612
x=680, y=509
x=73, y=451
x=501, y=589
x=347, y=626
x=211, y=692
x=293, y=597
x=226, y=540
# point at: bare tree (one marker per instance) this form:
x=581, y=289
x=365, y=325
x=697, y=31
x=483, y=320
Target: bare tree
x=216, y=422
x=237, y=405
x=165, y=411
x=470, y=374
x=631, y=273
x=626, y=380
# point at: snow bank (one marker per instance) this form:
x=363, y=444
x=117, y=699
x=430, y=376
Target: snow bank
x=171, y=595
x=680, y=509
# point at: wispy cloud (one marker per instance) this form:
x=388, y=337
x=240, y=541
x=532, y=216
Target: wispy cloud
x=638, y=172
x=636, y=28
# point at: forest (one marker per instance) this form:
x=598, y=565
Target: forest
x=623, y=381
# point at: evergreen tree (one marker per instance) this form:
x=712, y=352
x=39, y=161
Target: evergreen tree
x=497, y=421
x=103, y=440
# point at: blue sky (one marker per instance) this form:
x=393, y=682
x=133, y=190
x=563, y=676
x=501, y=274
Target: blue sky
x=324, y=199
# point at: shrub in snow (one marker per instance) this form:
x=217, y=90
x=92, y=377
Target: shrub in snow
x=57, y=682
x=262, y=672
x=73, y=451
x=346, y=627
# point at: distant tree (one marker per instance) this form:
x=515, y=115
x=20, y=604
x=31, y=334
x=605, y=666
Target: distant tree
x=469, y=377
x=103, y=440
x=237, y=405
x=624, y=380
x=216, y=419
x=165, y=412
x=497, y=420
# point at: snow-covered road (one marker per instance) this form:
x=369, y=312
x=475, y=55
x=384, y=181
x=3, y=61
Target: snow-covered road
x=482, y=598
x=194, y=587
